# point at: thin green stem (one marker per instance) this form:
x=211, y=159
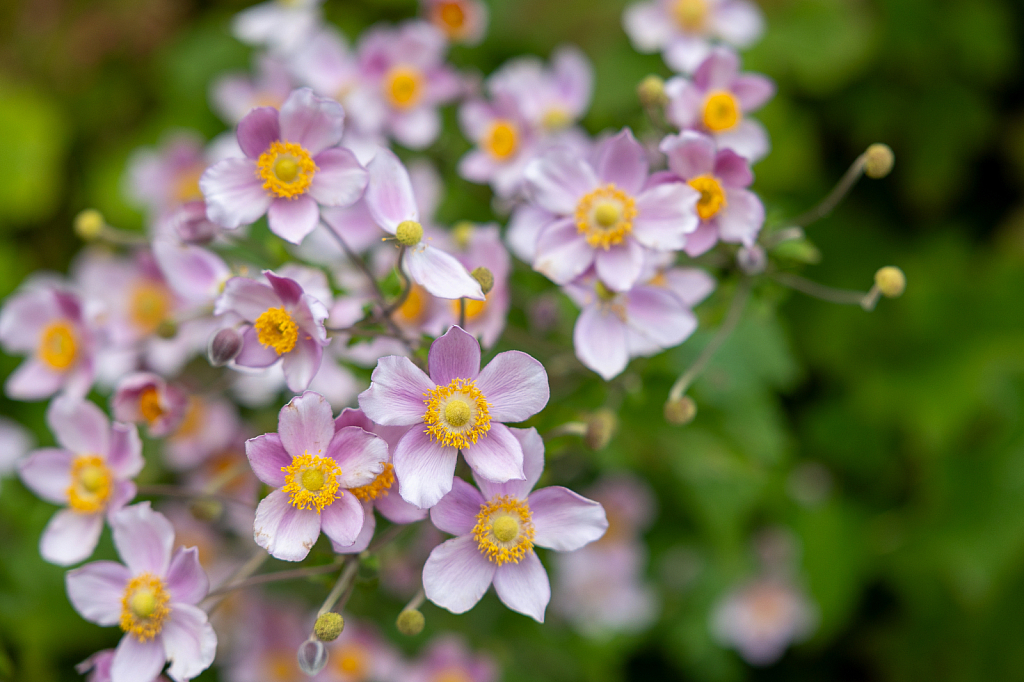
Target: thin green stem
x=842, y=187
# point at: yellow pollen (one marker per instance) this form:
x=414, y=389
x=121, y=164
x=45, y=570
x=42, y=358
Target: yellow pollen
x=144, y=607
x=276, y=329
x=403, y=87
x=380, y=486
x=149, y=305
x=450, y=18
x=464, y=402
x=474, y=308
x=605, y=216
x=556, y=118
x=149, y=404
x=91, y=484
x=504, y=529
x=502, y=139
x=712, y=196
x=721, y=111
x=415, y=303
x=409, y=233
x=287, y=169
x=57, y=346
x=312, y=482
x=690, y=14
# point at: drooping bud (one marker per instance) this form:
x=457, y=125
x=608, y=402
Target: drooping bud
x=410, y=622
x=891, y=281
x=328, y=626
x=312, y=656
x=651, y=92
x=680, y=411
x=225, y=345
x=89, y=224
x=485, y=278
x=878, y=161
x=751, y=259
x=409, y=233
x=600, y=428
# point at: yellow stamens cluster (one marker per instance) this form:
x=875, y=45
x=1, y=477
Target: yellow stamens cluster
x=287, y=169
x=605, y=216
x=502, y=139
x=380, y=487
x=403, y=86
x=712, y=196
x=57, y=345
x=450, y=17
x=457, y=414
x=504, y=529
x=91, y=484
x=721, y=111
x=691, y=15
x=312, y=481
x=353, y=661
x=149, y=404
x=144, y=607
x=276, y=329
x=150, y=302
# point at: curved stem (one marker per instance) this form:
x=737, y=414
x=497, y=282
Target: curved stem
x=344, y=580
x=844, y=185
x=820, y=291
x=277, y=576
x=416, y=601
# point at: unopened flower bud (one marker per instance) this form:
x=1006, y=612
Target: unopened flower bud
x=167, y=329
x=409, y=233
x=600, y=428
x=680, y=411
x=878, y=161
x=462, y=233
x=328, y=626
x=225, y=345
x=312, y=656
x=89, y=224
x=206, y=510
x=891, y=281
x=751, y=259
x=484, y=277
x=651, y=92
x=410, y=622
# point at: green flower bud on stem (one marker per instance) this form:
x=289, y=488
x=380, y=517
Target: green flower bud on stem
x=328, y=626
x=878, y=161
x=410, y=622
x=681, y=411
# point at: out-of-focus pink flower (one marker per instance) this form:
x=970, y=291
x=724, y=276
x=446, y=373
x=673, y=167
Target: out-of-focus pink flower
x=283, y=323
x=550, y=99
x=234, y=95
x=361, y=655
x=604, y=214
x=91, y=472
x=504, y=141
x=280, y=25
x=462, y=21
x=15, y=441
x=153, y=598
x=497, y=531
x=208, y=426
x=458, y=407
x=47, y=322
x=717, y=100
x=292, y=166
x=144, y=397
x=628, y=503
x=761, y=619
x=312, y=466
x=684, y=30
x=480, y=246
x=448, y=658
x=168, y=176
x=194, y=273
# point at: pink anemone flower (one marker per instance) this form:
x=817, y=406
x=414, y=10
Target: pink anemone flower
x=462, y=21
x=148, y=398
x=762, y=618
x=153, y=598
x=448, y=658
x=497, y=528
x=292, y=166
x=312, y=466
x=91, y=472
x=459, y=407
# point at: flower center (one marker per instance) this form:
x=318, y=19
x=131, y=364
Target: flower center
x=57, y=347
x=149, y=305
x=144, y=606
x=504, y=529
x=194, y=419
x=721, y=111
x=605, y=216
x=690, y=14
x=474, y=308
x=276, y=329
x=712, y=196
x=457, y=414
x=502, y=139
x=312, y=482
x=403, y=87
x=380, y=486
x=409, y=233
x=91, y=484
x=287, y=169
x=450, y=18
x=149, y=404
x=412, y=307
x=186, y=185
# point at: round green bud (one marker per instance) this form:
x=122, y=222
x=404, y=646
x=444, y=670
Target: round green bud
x=409, y=233
x=651, y=92
x=328, y=626
x=89, y=224
x=600, y=428
x=410, y=622
x=878, y=161
x=681, y=411
x=891, y=281
x=485, y=278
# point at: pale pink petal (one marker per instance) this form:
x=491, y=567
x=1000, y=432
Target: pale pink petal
x=254, y=353
x=689, y=154
x=123, y=493
x=136, y=661
x=287, y=289
x=732, y=169
x=360, y=454
x=267, y=457
x=496, y=456
x=600, y=341
x=389, y=195
x=248, y=298
x=565, y=521
x=666, y=214
x=533, y=466
x=718, y=71
x=457, y=574
x=47, y=473
x=456, y=355
x=701, y=239
x=293, y=219
x=742, y=218
x=441, y=274
x=144, y=539
x=619, y=267
x=24, y=316
x=457, y=511
x=647, y=26
x=339, y=180
x=306, y=425
x=753, y=91
x=515, y=385
x=685, y=53
x=364, y=537
x=416, y=128
x=396, y=392
x=558, y=180
x=33, y=380
x=738, y=22
x=690, y=285
x=189, y=642
x=396, y=510
x=562, y=253
x=342, y=520
x=234, y=193
x=749, y=139
x=315, y=123
x=286, y=532
x=79, y=425
x=622, y=161
x=524, y=586
x=70, y=537
x=258, y=130
x=302, y=363
x=659, y=316
x=424, y=468
x=186, y=579
x=524, y=227
x=685, y=102
x=96, y=590
x=125, y=458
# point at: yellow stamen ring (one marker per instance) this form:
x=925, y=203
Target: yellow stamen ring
x=712, y=196
x=502, y=139
x=276, y=329
x=403, y=87
x=91, y=484
x=691, y=15
x=312, y=482
x=504, y=530
x=457, y=414
x=144, y=607
x=149, y=404
x=721, y=111
x=605, y=216
x=287, y=169
x=149, y=305
x=380, y=487
x=57, y=345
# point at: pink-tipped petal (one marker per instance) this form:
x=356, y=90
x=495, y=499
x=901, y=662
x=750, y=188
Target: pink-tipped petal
x=621, y=160
x=646, y=26
x=666, y=214
x=189, y=642
x=314, y=122
x=619, y=267
x=342, y=520
x=533, y=466
x=524, y=586
x=456, y=512
x=558, y=180
x=96, y=590
x=186, y=579
x=742, y=218
x=234, y=193
x=364, y=537
x=254, y=353
x=600, y=341
x=457, y=574
x=732, y=169
x=339, y=180
x=424, y=468
x=136, y=661
x=659, y=316
x=125, y=457
x=144, y=539
x=561, y=253
x=396, y=510
x=34, y=380
x=753, y=91
x=267, y=457
x=496, y=456
x=389, y=195
x=515, y=385
x=565, y=521
x=456, y=355
x=258, y=130
x=441, y=274
x=749, y=139
x=718, y=71
x=360, y=454
x=79, y=425
x=306, y=425
x=47, y=473
x=689, y=153
x=286, y=532
x=293, y=219
x=395, y=395
x=248, y=298
x=70, y=537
